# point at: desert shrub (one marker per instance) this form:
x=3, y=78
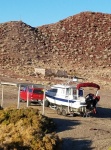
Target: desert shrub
x=27, y=129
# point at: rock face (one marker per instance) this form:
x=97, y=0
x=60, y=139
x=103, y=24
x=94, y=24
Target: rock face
x=75, y=44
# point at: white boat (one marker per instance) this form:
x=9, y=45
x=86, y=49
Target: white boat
x=67, y=99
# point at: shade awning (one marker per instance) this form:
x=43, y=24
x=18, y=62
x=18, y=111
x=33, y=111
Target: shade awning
x=94, y=85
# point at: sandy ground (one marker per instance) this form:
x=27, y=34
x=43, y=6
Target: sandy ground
x=78, y=133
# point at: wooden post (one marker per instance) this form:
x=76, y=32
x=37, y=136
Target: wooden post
x=2, y=96
x=43, y=113
x=27, y=96
x=18, y=103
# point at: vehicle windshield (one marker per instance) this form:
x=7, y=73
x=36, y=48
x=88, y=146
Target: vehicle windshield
x=30, y=90
x=38, y=91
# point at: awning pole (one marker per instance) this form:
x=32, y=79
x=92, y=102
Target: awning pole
x=18, y=102
x=27, y=96
x=2, y=96
x=43, y=103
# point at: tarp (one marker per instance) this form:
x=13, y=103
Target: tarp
x=88, y=85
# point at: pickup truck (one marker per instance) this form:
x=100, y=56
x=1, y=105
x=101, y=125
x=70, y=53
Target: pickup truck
x=35, y=95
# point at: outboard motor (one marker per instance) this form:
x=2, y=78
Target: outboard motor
x=91, y=101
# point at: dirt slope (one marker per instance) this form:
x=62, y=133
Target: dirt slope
x=79, y=44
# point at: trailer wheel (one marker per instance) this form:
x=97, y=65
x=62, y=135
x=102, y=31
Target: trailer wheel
x=86, y=115
x=64, y=113
x=46, y=104
x=59, y=111
x=74, y=115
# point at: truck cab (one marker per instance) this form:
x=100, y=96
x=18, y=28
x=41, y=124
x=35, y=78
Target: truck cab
x=32, y=94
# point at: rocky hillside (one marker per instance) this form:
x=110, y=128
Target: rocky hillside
x=79, y=44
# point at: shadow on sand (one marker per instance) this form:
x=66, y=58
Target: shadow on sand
x=71, y=143
x=76, y=144
x=65, y=124
x=103, y=113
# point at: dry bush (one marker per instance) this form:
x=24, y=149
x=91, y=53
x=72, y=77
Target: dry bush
x=27, y=129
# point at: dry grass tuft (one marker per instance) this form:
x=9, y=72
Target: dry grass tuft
x=27, y=129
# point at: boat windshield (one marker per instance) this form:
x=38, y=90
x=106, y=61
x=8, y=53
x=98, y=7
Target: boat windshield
x=80, y=92
x=74, y=92
x=53, y=90
x=68, y=91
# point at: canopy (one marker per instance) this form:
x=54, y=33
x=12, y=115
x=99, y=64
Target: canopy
x=19, y=85
x=88, y=85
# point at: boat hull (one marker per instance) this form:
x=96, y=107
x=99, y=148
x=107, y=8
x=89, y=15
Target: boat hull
x=65, y=102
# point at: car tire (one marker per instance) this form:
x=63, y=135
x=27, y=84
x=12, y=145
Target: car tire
x=46, y=103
